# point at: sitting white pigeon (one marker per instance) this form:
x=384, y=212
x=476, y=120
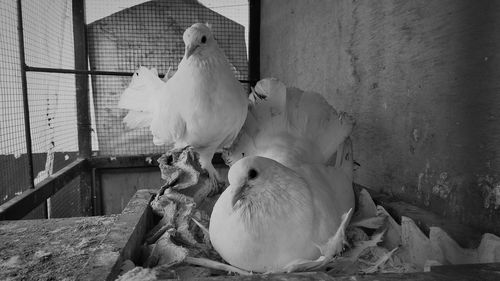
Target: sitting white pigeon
x=284, y=206
x=202, y=105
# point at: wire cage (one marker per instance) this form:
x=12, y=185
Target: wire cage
x=65, y=64
x=148, y=34
x=38, y=109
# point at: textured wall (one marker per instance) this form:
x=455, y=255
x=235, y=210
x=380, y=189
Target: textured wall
x=422, y=78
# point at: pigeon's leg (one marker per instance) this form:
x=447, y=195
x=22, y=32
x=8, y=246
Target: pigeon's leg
x=212, y=173
x=214, y=178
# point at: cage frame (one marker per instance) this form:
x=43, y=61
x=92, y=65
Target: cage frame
x=89, y=167
x=37, y=194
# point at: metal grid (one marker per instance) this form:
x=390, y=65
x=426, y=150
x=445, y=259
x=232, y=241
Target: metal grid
x=39, y=212
x=14, y=176
x=52, y=104
x=48, y=42
x=48, y=33
x=147, y=34
x=66, y=202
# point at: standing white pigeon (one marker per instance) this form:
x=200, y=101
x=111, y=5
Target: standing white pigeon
x=284, y=206
x=290, y=126
x=202, y=105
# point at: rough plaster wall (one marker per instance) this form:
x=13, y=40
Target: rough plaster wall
x=422, y=78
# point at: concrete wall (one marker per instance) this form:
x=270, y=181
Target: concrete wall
x=422, y=78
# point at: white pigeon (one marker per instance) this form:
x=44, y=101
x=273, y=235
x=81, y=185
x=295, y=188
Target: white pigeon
x=202, y=105
x=284, y=206
x=290, y=126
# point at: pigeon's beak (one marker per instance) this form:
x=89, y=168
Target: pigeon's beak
x=190, y=50
x=239, y=194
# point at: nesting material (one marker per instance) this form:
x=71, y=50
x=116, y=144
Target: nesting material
x=440, y=249
x=179, y=245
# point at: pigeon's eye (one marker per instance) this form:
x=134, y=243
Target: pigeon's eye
x=252, y=174
x=203, y=39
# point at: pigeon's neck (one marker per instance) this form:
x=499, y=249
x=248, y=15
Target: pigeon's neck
x=207, y=60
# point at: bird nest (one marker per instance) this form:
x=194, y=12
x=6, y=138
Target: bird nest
x=178, y=246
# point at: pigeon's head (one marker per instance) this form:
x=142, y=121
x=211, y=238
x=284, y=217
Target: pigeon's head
x=261, y=183
x=197, y=38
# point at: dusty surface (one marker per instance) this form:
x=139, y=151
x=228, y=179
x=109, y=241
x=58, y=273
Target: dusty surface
x=54, y=249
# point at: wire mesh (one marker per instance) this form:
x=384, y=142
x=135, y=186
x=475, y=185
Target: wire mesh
x=48, y=33
x=48, y=39
x=147, y=34
x=52, y=104
x=39, y=212
x=14, y=177
x=66, y=202
x=48, y=36
x=144, y=33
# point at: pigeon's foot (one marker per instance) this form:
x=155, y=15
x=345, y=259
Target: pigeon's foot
x=216, y=182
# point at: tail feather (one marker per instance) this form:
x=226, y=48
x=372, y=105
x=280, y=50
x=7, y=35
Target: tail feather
x=310, y=115
x=139, y=97
x=290, y=117
x=137, y=119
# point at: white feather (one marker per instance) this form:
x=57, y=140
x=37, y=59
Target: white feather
x=140, y=97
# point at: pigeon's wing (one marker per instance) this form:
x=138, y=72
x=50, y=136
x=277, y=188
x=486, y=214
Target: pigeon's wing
x=310, y=116
x=332, y=197
x=140, y=97
x=331, y=189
